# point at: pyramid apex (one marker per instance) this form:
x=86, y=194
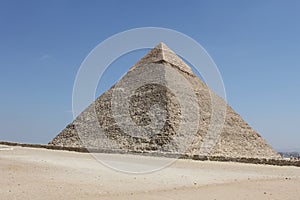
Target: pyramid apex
x=162, y=52
x=163, y=49
x=161, y=45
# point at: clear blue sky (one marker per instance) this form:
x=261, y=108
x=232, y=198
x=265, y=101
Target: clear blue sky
x=255, y=44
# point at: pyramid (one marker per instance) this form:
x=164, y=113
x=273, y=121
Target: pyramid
x=160, y=105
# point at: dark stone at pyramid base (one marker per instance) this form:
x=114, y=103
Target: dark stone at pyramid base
x=278, y=162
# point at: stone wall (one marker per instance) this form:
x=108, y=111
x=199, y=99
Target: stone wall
x=278, y=162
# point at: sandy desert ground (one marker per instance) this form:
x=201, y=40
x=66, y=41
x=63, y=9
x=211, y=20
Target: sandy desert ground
x=38, y=174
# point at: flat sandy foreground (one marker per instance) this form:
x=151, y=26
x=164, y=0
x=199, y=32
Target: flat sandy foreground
x=38, y=174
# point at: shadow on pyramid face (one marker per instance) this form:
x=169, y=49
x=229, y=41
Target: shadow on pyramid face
x=150, y=109
x=151, y=106
x=154, y=107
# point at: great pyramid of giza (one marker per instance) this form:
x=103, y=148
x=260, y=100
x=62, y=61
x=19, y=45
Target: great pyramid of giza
x=160, y=105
